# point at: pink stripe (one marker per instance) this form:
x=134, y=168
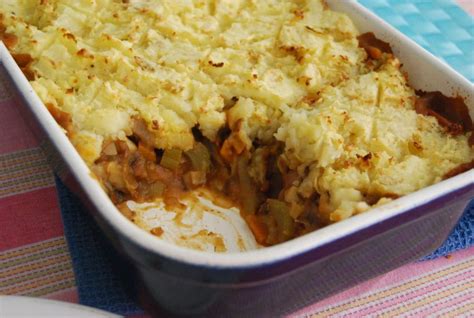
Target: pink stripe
x=451, y=302
x=384, y=304
x=29, y=218
x=15, y=133
x=69, y=295
x=393, y=278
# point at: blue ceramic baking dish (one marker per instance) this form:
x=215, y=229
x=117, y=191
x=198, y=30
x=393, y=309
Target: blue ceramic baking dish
x=280, y=279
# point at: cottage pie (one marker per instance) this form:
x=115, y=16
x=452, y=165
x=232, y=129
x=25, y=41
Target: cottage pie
x=279, y=108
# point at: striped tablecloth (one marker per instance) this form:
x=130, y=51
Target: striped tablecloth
x=34, y=258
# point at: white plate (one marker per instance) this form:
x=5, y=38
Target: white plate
x=19, y=306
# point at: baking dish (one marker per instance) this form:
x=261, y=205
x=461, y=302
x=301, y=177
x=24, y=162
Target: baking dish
x=336, y=257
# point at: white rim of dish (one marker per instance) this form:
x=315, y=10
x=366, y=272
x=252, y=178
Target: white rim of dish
x=252, y=258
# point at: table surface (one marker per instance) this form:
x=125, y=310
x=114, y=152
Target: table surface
x=35, y=261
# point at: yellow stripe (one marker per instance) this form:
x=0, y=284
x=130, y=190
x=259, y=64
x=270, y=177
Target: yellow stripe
x=25, y=187
x=394, y=290
x=31, y=276
x=427, y=299
x=12, y=253
x=20, y=160
x=16, y=156
x=464, y=311
x=51, y=279
x=43, y=263
x=32, y=173
x=30, y=258
x=51, y=289
x=24, y=171
x=442, y=303
x=15, y=162
x=21, y=171
x=37, y=269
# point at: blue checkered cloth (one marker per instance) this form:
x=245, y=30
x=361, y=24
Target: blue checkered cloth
x=440, y=26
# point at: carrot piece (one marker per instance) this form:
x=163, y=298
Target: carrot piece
x=258, y=228
x=146, y=151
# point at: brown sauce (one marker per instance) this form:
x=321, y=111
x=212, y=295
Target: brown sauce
x=373, y=46
x=450, y=112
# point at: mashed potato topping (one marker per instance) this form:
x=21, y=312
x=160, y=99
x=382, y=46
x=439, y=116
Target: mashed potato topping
x=284, y=84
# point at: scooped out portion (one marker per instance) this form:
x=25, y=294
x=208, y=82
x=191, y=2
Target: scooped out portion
x=198, y=224
x=275, y=110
